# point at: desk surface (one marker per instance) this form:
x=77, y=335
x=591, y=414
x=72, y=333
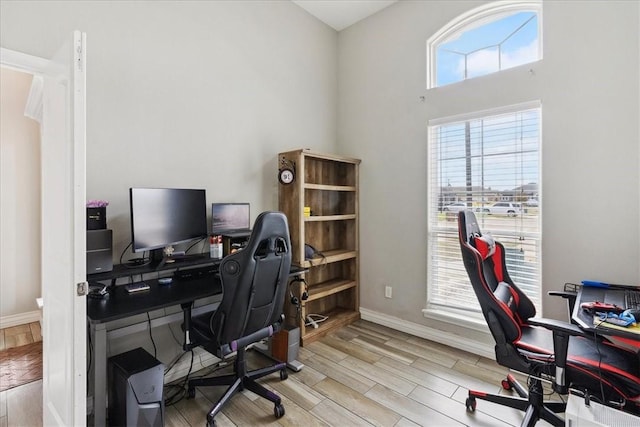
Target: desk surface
x=121, y=304
x=585, y=319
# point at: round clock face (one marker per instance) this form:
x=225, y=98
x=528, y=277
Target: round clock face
x=286, y=176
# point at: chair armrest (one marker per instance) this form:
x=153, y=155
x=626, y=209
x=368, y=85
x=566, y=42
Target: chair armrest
x=556, y=325
x=561, y=332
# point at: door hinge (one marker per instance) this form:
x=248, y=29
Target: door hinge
x=82, y=288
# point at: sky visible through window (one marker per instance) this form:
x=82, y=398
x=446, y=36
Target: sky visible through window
x=503, y=43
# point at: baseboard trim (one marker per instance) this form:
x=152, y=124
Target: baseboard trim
x=19, y=319
x=483, y=349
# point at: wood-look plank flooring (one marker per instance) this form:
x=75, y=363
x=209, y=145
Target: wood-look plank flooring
x=14, y=340
x=20, y=335
x=361, y=375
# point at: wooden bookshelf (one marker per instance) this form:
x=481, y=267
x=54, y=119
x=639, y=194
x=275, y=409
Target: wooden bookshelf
x=328, y=185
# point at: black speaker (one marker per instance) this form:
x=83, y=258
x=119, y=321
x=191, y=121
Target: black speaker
x=99, y=254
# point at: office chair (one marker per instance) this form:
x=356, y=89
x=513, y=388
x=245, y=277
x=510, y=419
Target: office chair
x=591, y=366
x=254, y=283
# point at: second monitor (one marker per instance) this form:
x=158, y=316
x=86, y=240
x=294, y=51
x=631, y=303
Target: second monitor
x=231, y=219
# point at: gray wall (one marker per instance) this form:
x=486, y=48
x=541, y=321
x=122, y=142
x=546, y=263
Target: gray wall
x=190, y=94
x=588, y=83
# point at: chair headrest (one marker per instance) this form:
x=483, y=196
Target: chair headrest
x=485, y=245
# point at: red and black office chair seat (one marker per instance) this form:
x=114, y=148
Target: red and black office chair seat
x=541, y=348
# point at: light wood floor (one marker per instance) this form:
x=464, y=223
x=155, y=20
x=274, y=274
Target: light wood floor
x=364, y=374
x=17, y=336
x=21, y=414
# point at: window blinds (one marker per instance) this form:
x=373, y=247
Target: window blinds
x=491, y=165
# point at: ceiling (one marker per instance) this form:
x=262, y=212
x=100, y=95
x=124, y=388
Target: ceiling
x=340, y=14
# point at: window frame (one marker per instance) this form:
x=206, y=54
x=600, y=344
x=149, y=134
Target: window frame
x=471, y=318
x=475, y=18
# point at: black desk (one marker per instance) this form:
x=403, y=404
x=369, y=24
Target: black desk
x=120, y=305
x=607, y=295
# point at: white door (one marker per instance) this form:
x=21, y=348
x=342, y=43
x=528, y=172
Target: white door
x=64, y=236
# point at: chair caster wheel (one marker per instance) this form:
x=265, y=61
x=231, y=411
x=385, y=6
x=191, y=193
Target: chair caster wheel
x=211, y=422
x=506, y=385
x=470, y=403
x=191, y=392
x=284, y=374
x=278, y=410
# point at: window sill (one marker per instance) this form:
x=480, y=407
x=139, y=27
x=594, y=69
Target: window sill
x=458, y=318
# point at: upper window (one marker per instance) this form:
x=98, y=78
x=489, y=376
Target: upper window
x=486, y=40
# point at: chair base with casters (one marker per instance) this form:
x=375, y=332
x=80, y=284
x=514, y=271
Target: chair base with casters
x=530, y=402
x=241, y=379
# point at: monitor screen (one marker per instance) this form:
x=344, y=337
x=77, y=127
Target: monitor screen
x=226, y=217
x=161, y=217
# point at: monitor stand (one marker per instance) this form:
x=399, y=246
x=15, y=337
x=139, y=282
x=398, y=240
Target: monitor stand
x=159, y=258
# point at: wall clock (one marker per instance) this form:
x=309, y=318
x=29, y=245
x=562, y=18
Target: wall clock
x=286, y=176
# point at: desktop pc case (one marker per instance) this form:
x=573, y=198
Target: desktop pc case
x=135, y=389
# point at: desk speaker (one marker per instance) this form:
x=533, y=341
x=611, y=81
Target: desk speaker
x=99, y=253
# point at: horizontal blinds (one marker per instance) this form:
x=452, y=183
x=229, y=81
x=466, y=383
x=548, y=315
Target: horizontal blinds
x=491, y=166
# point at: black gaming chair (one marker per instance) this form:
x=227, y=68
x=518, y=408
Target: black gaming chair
x=254, y=281
x=591, y=366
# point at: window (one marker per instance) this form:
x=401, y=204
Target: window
x=486, y=40
x=489, y=162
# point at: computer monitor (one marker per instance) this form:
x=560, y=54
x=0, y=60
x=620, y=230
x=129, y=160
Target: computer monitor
x=163, y=217
x=230, y=217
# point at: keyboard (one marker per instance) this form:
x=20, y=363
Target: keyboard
x=632, y=299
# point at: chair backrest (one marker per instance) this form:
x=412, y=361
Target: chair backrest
x=505, y=307
x=254, y=281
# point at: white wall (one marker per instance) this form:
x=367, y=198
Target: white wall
x=588, y=83
x=19, y=199
x=190, y=94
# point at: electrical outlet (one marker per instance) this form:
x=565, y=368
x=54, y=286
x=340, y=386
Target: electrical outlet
x=388, y=292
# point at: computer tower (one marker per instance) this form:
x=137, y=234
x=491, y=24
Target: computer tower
x=135, y=395
x=99, y=254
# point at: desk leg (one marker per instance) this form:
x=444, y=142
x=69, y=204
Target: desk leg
x=100, y=375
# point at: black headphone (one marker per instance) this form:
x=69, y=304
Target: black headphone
x=305, y=293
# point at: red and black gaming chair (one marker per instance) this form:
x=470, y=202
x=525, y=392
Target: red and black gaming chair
x=591, y=366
